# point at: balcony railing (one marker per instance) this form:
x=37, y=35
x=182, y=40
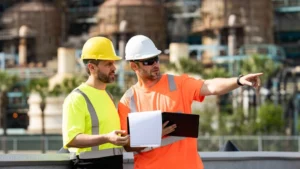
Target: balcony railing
x=25, y=143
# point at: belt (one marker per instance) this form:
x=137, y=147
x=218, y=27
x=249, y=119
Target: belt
x=98, y=154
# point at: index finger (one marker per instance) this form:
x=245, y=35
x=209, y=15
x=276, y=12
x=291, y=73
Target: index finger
x=165, y=124
x=255, y=74
x=123, y=138
x=120, y=131
x=258, y=74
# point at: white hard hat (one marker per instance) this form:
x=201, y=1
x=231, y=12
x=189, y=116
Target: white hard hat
x=140, y=47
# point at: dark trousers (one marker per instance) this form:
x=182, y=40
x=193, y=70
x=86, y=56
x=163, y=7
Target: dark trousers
x=112, y=162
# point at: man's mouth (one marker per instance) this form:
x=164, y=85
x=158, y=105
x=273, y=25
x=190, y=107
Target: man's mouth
x=155, y=69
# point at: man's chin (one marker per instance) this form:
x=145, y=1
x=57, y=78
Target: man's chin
x=107, y=81
x=155, y=76
x=111, y=80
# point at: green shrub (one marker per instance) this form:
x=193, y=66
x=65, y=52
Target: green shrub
x=270, y=119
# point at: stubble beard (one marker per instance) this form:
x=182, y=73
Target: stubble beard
x=152, y=75
x=106, y=78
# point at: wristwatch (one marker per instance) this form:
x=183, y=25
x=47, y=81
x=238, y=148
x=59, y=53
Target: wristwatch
x=238, y=80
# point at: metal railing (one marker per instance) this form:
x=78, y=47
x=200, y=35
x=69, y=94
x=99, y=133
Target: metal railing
x=286, y=6
x=20, y=143
x=251, y=143
x=285, y=3
x=211, y=160
x=30, y=73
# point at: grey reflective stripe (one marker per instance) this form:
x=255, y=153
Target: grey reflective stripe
x=164, y=142
x=130, y=93
x=110, y=95
x=98, y=153
x=170, y=140
x=132, y=105
x=93, y=115
x=172, y=84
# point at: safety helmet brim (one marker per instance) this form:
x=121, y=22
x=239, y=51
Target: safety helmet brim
x=101, y=57
x=99, y=48
x=145, y=56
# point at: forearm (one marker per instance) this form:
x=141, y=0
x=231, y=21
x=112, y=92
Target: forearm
x=85, y=140
x=219, y=86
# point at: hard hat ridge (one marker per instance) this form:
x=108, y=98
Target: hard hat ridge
x=140, y=47
x=99, y=48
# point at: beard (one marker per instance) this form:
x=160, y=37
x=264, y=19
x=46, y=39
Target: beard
x=153, y=74
x=106, y=78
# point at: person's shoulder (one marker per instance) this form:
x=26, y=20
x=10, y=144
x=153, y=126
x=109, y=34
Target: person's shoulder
x=175, y=75
x=180, y=77
x=129, y=92
x=188, y=76
x=74, y=97
x=125, y=99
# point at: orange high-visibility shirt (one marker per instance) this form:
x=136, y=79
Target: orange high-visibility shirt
x=182, y=154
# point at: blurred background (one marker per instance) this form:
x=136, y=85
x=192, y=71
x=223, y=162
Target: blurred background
x=40, y=47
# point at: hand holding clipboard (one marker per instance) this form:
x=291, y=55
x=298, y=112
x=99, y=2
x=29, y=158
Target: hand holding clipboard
x=186, y=125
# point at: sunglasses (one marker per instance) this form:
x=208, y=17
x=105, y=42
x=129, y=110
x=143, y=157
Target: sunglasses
x=148, y=62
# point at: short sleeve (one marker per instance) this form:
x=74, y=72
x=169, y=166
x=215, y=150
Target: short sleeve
x=191, y=88
x=74, y=110
x=123, y=110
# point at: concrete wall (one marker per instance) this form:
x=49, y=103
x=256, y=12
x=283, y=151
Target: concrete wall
x=212, y=160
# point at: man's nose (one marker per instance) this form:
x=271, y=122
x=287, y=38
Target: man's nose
x=156, y=62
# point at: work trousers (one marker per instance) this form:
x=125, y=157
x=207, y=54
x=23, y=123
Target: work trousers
x=111, y=162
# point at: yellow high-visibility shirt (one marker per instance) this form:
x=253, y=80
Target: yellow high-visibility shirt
x=77, y=119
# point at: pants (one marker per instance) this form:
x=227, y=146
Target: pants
x=112, y=162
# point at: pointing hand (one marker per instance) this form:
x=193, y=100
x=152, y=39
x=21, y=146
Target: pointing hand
x=251, y=80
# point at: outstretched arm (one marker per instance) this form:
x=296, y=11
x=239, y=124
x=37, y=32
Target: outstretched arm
x=219, y=86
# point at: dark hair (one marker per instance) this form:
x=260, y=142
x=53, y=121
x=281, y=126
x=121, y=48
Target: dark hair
x=87, y=61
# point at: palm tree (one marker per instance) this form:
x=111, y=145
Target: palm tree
x=211, y=73
x=259, y=63
x=191, y=66
x=186, y=66
x=6, y=83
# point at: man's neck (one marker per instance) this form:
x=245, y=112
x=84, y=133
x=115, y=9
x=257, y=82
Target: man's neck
x=147, y=83
x=95, y=83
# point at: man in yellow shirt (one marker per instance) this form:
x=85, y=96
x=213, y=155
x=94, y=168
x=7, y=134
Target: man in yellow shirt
x=91, y=125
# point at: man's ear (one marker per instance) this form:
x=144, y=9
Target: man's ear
x=134, y=66
x=91, y=67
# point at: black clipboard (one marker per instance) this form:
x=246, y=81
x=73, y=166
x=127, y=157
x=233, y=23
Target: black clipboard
x=187, y=124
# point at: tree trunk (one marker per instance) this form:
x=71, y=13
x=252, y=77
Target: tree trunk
x=43, y=127
x=3, y=100
x=257, y=92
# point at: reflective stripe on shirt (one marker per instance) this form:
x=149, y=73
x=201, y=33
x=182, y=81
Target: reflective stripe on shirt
x=132, y=107
x=93, y=115
x=130, y=93
x=95, y=153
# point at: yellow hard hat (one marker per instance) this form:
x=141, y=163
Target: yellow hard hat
x=99, y=48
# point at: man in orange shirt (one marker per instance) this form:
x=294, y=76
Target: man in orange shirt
x=168, y=93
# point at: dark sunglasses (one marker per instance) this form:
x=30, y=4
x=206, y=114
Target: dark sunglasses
x=148, y=62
